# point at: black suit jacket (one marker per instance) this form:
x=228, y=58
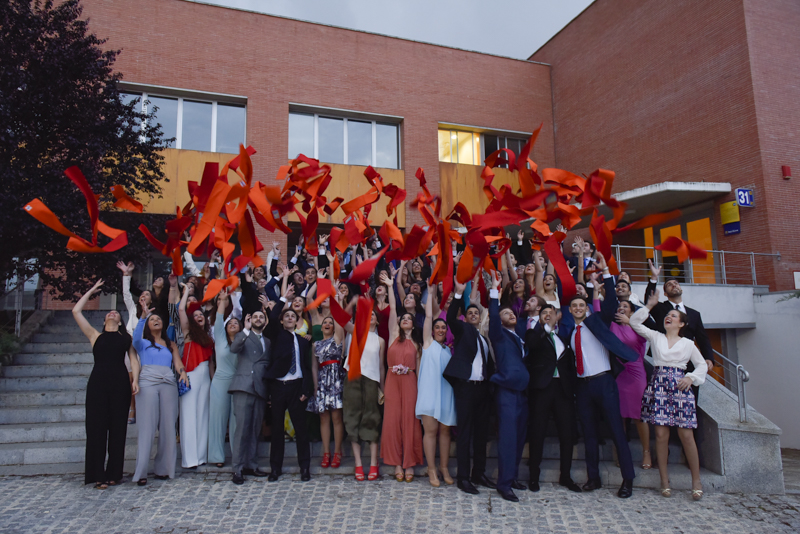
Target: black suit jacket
x=282, y=351
x=465, y=345
x=693, y=330
x=541, y=360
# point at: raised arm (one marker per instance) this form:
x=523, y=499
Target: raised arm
x=637, y=320
x=394, y=328
x=130, y=305
x=453, y=322
x=77, y=312
x=495, y=326
x=539, y=276
x=184, y=319
x=427, y=326
x=191, y=266
x=401, y=290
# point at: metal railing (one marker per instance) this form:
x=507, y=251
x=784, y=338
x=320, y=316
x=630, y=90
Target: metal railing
x=733, y=376
x=721, y=267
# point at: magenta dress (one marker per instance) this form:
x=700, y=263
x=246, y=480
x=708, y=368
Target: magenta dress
x=632, y=381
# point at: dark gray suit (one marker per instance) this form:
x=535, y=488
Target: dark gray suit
x=249, y=390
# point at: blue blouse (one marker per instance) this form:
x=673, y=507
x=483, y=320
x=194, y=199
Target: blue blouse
x=148, y=354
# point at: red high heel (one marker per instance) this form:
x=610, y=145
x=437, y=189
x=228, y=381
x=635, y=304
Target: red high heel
x=373, y=473
x=326, y=460
x=337, y=460
x=360, y=473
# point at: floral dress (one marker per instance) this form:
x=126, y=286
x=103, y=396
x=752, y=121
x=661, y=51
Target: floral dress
x=331, y=377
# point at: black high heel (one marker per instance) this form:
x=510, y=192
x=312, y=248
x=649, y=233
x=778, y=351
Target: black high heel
x=141, y=482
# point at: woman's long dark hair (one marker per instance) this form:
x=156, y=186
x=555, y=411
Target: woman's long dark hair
x=198, y=334
x=416, y=335
x=508, y=297
x=148, y=335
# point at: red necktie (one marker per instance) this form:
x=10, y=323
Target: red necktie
x=578, y=350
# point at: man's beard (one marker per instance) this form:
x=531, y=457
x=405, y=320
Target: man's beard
x=258, y=329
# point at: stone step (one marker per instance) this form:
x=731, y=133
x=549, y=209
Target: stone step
x=67, y=383
x=67, y=328
x=55, y=348
x=42, y=399
x=26, y=415
x=37, y=433
x=680, y=478
x=53, y=359
x=55, y=370
x=61, y=337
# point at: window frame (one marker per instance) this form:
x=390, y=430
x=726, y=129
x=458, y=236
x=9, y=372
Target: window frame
x=345, y=116
x=146, y=91
x=482, y=133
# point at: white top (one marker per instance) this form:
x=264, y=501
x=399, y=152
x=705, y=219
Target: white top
x=595, y=355
x=665, y=356
x=477, y=362
x=370, y=359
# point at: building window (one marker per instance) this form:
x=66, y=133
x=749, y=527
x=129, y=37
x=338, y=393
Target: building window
x=195, y=123
x=472, y=148
x=348, y=141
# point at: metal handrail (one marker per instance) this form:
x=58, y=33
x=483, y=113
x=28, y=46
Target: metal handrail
x=742, y=376
x=723, y=270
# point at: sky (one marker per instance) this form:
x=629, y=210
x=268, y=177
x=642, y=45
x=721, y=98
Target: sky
x=512, y=28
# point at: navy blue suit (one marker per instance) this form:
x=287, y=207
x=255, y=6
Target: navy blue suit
x=598, y=394
x=511, y=377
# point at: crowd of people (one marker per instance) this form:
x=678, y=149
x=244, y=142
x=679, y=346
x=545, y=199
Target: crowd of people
x=501, y=353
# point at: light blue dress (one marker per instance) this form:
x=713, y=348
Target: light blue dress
x=220, y=416
x=434, y=393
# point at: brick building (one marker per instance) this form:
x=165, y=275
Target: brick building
x=686, y=101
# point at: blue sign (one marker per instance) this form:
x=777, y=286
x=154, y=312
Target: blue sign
x=732, y=228
x=744, y=198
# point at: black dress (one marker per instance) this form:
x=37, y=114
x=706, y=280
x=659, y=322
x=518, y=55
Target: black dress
x=108, y=397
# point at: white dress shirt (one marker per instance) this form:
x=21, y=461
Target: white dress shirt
x=477, y=362
x=595, y=355
x=298, y=373
x=559, y=345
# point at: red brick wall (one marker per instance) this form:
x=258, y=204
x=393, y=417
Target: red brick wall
x=662, y=91
x=773, y=31
x=274, y=61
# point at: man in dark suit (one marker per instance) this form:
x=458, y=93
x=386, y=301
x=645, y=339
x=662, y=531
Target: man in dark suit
x=291, y=385
x=594, y=347
x=469, y=370
x=249, y=390
x=511, y=380
x=551, y=391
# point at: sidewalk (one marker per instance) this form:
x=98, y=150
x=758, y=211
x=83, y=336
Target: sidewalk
x=210, y=503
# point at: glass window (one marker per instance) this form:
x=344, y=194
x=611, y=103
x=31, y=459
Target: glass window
x=466, y=152
x=359, y=143
x=196, y=132
x=230, y=128
x=167, y=116
x=446, y=144
x=489, y=144
x=331, y=140
x=301, y=135
x=387, y=149
x=127, y=99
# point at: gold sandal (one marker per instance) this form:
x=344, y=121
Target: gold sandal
x=666, y=492
x=697, y=494
x=648, y=465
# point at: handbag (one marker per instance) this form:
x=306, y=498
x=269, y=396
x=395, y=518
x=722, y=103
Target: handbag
x=183, y=389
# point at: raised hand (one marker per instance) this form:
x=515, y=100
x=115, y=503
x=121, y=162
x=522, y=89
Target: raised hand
x=289, y=292
x=652, y=300
x=173, y=280
x=386, y=279
x=247, y=322
x=654, y=271
x=495, y=280
x=520, y=235
x=323, y=239
x=459, y=287
x=96, y=287
x=264, y=300
x=561, y=228
x=579, y=245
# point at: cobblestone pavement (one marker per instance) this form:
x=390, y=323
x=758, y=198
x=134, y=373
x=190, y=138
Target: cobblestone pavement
x=210, y=503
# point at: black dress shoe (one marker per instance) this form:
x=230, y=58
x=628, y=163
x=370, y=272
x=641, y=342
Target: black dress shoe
x=534, y=486
x=237, y=479
x=508, y=495
x=483, y=480
x=305, y=475
x=274, y=476
x=592, y=484
x=162, y=477
x=254, y=472
x=626, y=489
x=518, y=486
x=570, y=485
x=467, y=487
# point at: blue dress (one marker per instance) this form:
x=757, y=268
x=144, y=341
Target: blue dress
x=434, y=393
x=220, y=416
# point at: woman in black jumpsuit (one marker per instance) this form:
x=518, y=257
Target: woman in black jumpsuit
x=108, y=395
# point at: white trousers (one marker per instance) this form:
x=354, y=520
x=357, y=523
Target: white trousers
x=194, y=418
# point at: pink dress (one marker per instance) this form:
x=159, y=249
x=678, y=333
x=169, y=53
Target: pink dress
x=632, y=381
x=401, y=439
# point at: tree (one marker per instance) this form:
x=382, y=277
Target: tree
x=60, y=106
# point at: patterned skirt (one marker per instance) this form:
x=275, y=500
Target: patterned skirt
x=329, y=392
x=664, y=404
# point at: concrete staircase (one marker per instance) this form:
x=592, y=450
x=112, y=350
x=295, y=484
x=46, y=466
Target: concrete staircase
x=42, y=395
